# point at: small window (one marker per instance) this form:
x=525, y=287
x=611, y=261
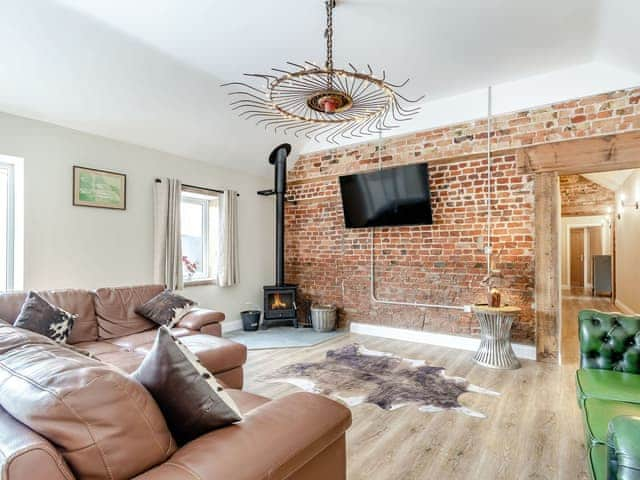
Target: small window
x=200, y=222
x=7, y=226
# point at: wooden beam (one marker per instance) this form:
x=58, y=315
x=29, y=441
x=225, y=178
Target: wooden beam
x=547, y=275
x=585, y=155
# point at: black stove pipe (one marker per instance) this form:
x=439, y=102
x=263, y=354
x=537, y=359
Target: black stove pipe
x=279, y=158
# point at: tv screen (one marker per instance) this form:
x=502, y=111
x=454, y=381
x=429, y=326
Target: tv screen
x=392, y=196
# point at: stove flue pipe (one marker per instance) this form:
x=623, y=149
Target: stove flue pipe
x=278, y=158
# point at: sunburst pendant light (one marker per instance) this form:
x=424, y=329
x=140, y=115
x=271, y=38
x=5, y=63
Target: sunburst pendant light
x=323, y=103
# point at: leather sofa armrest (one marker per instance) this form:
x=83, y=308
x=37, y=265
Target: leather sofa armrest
x=272, y=442
x=26, y=455
x=623, y=455
x=199, y=318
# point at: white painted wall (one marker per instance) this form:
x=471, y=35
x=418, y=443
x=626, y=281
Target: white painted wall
x=627, y=246
x=67, y=246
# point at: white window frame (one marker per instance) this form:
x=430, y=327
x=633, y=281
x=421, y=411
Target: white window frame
x=204, y=200
x=15, y=221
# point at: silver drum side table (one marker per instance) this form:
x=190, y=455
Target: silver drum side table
x=495, y=337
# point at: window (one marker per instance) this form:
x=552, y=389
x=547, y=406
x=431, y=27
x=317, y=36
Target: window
x=200, y=222
x=7, y=225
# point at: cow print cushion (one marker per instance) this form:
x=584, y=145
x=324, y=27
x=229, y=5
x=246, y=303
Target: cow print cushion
x=166, y=308
x=190, y=398
x=41, y=317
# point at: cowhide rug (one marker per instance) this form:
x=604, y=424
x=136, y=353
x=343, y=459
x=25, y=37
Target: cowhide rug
x=356, y=375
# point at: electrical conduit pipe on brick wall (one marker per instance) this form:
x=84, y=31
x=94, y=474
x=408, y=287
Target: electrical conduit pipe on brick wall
x=488, y=247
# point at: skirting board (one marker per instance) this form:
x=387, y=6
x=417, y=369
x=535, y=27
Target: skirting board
x=231, y=325
x=624, y=308
x=439, y=339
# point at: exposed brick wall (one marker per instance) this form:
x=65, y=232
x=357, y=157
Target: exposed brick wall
x=442, y=263
x=580, y=196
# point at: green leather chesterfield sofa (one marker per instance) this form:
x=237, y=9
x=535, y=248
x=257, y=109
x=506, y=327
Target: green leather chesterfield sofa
x=608, y=387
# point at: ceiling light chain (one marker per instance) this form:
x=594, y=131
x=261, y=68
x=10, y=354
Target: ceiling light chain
x=328, y=33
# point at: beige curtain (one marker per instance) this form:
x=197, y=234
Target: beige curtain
x=167, y=246
x=228, y=264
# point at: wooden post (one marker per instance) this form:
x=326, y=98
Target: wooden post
x=547, y=282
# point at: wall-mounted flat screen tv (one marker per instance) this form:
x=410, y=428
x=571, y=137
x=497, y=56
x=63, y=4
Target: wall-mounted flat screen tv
x=388, y=197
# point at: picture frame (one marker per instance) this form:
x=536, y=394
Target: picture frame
x=99, y=188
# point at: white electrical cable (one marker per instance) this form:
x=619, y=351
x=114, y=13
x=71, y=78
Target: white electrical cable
x=373, y=268
x=489, y=247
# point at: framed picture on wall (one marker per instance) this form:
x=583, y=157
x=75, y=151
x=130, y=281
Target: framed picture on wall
x=99, y=188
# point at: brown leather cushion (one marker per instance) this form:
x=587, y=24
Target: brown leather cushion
x=233, y=378
x=98, y=348
x=215, y=353
x=124, y=360
x=283, y=436
x=246, y=401
x=115, y=310
x=105, y=424
x=218, y=355
x=79, y=302
x=26, y=455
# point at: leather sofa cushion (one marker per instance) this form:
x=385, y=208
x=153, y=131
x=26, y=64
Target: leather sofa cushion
x=608, y=385
x=97, y=348
x=274, y=441
x=246, y=401
x=25, y=455
x=216, y=354
x=115, y=310
x=122, y=359
x=233, y=378
x=598, y=413
x=105, y=424
x=78, y=302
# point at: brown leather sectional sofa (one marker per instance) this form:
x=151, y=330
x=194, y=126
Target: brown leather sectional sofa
x=64, y=415
x=110, y=329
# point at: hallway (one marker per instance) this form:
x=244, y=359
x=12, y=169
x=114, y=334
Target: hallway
x=574, y=300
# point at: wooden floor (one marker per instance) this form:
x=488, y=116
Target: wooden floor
x=573, y=301
x=532, y=431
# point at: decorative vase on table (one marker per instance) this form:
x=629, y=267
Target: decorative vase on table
x=494, y=298
x=493, y=281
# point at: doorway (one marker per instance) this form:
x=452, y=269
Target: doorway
x=590, y=216
x=586, y=243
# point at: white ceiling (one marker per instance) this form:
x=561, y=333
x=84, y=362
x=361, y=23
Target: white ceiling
x=611, y=180
x=148, y=72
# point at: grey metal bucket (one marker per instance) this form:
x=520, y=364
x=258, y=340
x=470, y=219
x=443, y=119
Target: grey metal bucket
x=323, y=317
x=250, y=320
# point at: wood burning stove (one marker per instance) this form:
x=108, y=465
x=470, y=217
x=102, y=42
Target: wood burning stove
x=280, y=299
x=280, y=303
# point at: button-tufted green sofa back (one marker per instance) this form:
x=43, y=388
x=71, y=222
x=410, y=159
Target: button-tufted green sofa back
x=609, y=341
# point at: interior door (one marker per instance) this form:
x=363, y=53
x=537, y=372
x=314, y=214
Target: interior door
x=595, y=248
x=577, y=257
